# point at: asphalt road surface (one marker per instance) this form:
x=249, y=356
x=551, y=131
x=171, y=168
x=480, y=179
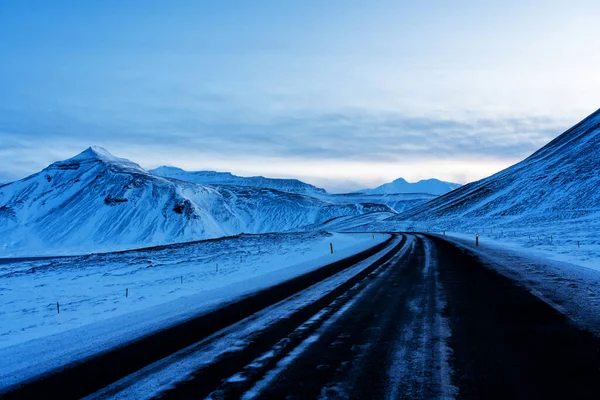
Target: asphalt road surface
x=421, y=319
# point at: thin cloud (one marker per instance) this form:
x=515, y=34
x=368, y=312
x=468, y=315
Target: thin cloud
x=356, y=137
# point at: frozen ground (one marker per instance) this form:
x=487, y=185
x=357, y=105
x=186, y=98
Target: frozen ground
x=94, y=288
x=165, y=285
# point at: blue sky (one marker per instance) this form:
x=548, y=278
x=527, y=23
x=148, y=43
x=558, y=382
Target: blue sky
x=343, y=94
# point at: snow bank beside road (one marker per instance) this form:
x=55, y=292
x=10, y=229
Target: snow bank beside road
x=560, y=243
x=572, y=289
x=98, y=316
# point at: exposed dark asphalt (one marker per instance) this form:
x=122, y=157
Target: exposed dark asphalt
x=507, y=343
x=433, y=324
x=386, y=345
x=426, y=321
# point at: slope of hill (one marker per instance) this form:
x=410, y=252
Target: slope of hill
x=226, y=178
x=98, y=202
x=429, y=186
x=559, y=181
x=399, y=202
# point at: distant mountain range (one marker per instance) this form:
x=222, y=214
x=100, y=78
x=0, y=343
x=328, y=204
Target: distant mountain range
x=398, y=201
x=226, y=178
x=98, y=202
x=429, y=186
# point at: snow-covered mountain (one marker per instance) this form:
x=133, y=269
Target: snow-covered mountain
x=97, y=202
x=429, y=186
x=558, y=182
x=226, y=178
x=398, y=201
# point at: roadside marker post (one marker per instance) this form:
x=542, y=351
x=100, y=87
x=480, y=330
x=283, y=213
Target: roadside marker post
x=331, y=247
x=127, y=292
x=477, y=240
x=57, y=307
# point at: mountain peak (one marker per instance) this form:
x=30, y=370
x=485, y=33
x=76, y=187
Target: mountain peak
x=97, y=153
x=166, y=169
x=400, y=180
x=400, y=185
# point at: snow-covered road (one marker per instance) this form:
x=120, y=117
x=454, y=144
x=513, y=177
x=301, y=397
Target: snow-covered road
x=424, y=317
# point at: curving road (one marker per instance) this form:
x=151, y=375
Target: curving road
x=417, y=318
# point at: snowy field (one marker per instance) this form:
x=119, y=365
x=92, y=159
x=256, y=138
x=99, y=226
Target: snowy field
x=98, y=287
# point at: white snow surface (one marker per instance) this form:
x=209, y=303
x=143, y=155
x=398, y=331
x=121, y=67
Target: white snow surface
x=97, y=202
x=95, y=314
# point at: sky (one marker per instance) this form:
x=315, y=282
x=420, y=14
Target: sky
x=343, y=94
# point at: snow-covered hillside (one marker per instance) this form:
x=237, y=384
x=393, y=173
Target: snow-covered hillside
x=226, y=178
x=561, y=181
x=397, y=201
x=98, y=202
x=548, y=203
x=429, y=186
